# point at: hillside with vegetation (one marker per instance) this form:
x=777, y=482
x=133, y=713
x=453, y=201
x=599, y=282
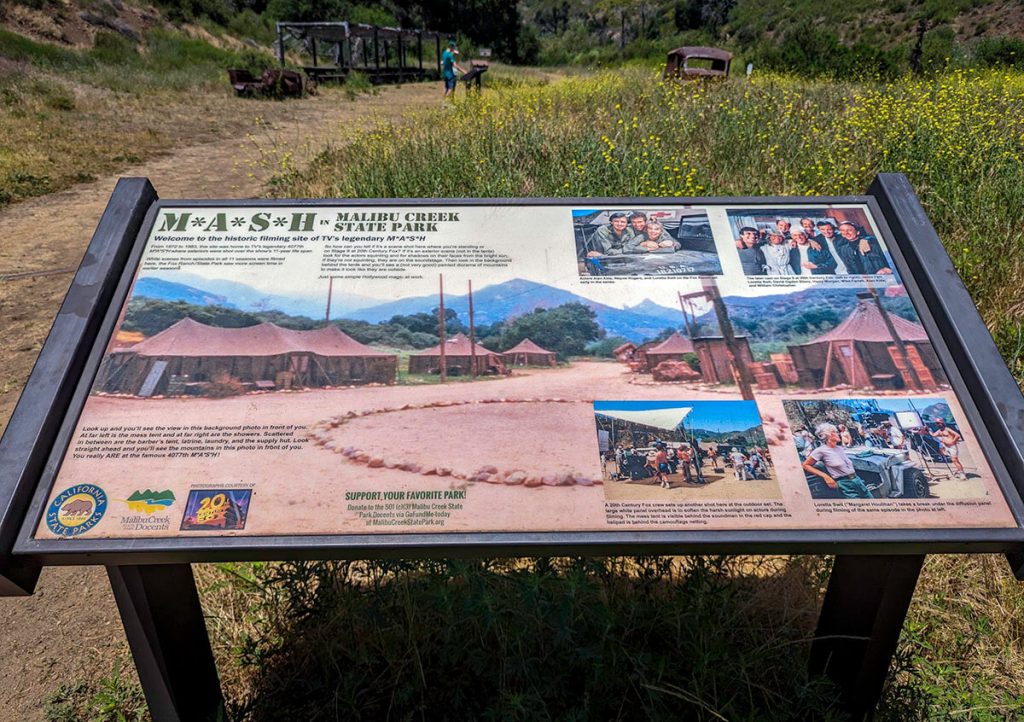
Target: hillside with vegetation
x=866, y=37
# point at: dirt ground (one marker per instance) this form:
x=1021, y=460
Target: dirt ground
x=69, y=630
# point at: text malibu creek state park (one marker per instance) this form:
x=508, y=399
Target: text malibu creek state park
x=349, y=222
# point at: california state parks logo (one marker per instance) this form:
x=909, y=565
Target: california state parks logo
x=76, y=510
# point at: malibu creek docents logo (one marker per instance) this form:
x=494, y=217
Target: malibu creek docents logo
x=149, y=502
x=76, y=510
x=145, y=509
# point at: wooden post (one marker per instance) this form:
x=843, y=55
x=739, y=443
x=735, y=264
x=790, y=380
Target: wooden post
x=330, y=288
x=743, y=378
x=686, y=318
x=280, y=44
x=472, y=335
x=313, y=45
x=828, y=366
x=441, y=329
x=419, y=47
x=901, y=347
x=376, y=50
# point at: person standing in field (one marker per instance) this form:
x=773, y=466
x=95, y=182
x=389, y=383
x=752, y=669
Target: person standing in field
x=448, y=68
x=839, y=473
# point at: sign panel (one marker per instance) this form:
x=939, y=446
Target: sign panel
x=281, y=371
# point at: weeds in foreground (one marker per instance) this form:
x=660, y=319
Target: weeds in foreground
x=114, y=698
x=638, y=638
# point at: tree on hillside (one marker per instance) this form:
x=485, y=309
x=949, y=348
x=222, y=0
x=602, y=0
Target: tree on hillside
x=150, y=316
x=565, y=329
x=427, y=322
x=605, y=347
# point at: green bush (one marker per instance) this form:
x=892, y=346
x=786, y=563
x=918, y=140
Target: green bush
x=112, y=48
x=1000, y=52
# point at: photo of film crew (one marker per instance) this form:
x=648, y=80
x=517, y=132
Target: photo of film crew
x=792, y=242
x=886, y=448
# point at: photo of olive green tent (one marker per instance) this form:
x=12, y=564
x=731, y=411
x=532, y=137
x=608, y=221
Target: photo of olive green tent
x=458, y=358
x=187, y=356
x=527, y=353
x=862, y=352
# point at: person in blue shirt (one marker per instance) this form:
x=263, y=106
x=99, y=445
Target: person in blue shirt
x=448, y=68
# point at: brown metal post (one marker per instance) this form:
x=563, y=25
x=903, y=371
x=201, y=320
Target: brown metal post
x=472, y=334
x=376, y=50
x=440, y=328
x=313, y=44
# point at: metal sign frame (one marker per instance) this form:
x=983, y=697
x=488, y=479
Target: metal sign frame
x=968, y=355
x=872, y=581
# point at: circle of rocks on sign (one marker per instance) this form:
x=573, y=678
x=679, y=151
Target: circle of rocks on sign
x=319, y=434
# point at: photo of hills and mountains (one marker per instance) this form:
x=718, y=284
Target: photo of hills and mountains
x=770, y=321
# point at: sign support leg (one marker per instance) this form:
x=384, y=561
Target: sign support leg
x=861, y=618
x=160, y=610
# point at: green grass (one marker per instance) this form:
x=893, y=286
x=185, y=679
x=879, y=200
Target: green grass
x=116, y=697
x=539, y=639
x=67, y=115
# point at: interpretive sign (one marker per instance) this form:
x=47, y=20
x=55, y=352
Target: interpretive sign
x=283, y=370
x=296, y=379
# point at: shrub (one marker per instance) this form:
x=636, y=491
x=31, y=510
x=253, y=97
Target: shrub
x=113, y=48
x=1000, y=52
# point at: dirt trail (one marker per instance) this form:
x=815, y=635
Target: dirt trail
x=70, y=630
x=49, y=234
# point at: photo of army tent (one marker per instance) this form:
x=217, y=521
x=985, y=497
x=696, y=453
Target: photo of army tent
x=674, y=348
x=459, y=359
x=863, y=352
x=527, y=353
x=185, y=357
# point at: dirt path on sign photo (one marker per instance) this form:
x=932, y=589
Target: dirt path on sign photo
x=69, y=631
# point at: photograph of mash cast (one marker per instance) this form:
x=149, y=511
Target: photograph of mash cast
x=818, y=242
x=645, y=242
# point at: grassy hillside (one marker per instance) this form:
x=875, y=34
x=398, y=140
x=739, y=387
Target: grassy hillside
x=93, y=99
x=853, y=38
